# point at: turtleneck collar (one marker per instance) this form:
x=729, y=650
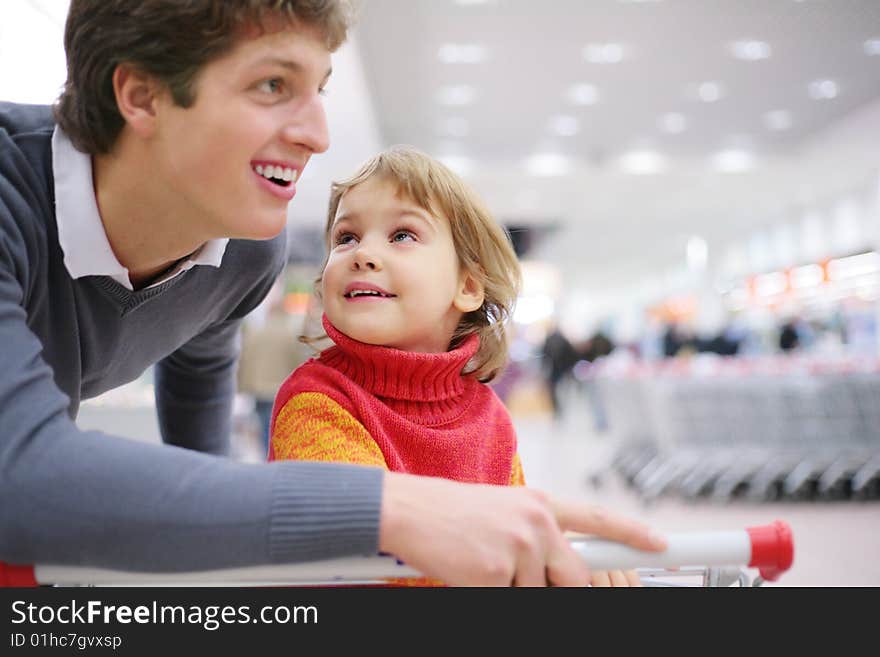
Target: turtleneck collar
x=394, y=374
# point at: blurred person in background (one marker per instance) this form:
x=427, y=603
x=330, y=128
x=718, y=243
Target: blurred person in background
x=789, y=339
x=598, y=346
x=558, y=356
x=676, y=340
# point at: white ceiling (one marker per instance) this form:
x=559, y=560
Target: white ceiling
x=612, y=221
x=611, y=225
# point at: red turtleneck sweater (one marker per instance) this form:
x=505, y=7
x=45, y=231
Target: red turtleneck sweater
x=406, y=412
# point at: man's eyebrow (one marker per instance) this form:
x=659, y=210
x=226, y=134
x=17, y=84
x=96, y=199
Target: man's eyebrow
x=292, y=65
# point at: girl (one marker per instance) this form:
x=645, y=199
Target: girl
x=417, y=288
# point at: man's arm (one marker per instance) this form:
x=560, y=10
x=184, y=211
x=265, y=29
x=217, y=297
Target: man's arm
x=195, y=388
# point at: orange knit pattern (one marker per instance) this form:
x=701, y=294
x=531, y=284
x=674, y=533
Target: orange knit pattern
x=313, y=427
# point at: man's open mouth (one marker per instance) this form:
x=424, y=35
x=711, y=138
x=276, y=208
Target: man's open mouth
x=281, y=176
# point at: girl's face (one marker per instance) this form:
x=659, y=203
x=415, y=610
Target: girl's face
x=393, y=277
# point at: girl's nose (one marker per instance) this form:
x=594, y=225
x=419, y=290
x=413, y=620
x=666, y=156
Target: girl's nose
x=365, y=259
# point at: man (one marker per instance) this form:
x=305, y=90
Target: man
x=138, y=227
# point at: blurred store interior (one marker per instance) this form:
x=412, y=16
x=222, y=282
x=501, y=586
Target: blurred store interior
x=693, y=188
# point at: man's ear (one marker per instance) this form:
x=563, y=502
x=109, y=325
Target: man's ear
x=137, y=94
x=470, y=295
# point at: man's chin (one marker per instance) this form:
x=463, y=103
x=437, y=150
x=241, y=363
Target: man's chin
x=264, y=231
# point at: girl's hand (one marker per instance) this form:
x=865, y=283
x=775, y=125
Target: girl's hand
x=622, y=578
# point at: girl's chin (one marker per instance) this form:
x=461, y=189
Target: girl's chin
x=361, y=332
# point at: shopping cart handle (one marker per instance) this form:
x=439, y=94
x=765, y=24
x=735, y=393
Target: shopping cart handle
x=770, y=548
x=12, y=575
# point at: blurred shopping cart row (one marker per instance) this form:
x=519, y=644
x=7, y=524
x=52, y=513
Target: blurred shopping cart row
x=761, y=429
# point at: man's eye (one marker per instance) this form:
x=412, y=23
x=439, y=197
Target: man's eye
x=271, y=86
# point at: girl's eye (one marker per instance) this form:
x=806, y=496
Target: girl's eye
x=343, y=238
x=402, y=236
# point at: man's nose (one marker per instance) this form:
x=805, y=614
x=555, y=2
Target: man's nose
x=308, y=126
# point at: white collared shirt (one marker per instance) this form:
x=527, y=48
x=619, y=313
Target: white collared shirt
x=81, y=233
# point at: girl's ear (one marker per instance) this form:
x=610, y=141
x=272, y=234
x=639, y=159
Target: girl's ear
x=136, y=97
x=470, y=295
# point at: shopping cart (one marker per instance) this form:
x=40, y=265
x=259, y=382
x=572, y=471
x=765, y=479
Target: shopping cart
x=761, y=429
x=713, y=558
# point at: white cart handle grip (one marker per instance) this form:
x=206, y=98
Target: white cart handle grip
x=769, y=548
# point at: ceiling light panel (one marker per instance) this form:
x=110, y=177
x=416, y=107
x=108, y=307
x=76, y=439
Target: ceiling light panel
x=457, y=94
x=564, y=125
x=733, y=161
x=777, y=120
x=823, y=89
x=604, y=53
x=708, y=92
x=548, y=164
x=672, y=123
x=462, y=53
x=583, y=94
x=750, y=51
x=643, y=162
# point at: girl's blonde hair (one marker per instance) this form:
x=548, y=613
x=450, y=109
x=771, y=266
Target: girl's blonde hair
x=483, y=247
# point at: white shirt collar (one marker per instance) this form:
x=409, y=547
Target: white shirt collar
x=81, y=233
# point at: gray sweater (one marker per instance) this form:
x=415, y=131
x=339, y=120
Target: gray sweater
x=83, y=497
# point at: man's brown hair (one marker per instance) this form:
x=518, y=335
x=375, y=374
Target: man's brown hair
x=169, y=39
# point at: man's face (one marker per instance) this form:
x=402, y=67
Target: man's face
x=230, y=162
x=393, y=276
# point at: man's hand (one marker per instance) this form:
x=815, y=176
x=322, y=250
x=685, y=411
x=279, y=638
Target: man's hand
x=475, y=534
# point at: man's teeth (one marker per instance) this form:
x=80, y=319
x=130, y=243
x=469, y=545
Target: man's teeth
x=279, y=173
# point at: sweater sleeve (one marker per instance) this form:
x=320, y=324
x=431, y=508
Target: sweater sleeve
x=517, y=478
x=313, y=427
